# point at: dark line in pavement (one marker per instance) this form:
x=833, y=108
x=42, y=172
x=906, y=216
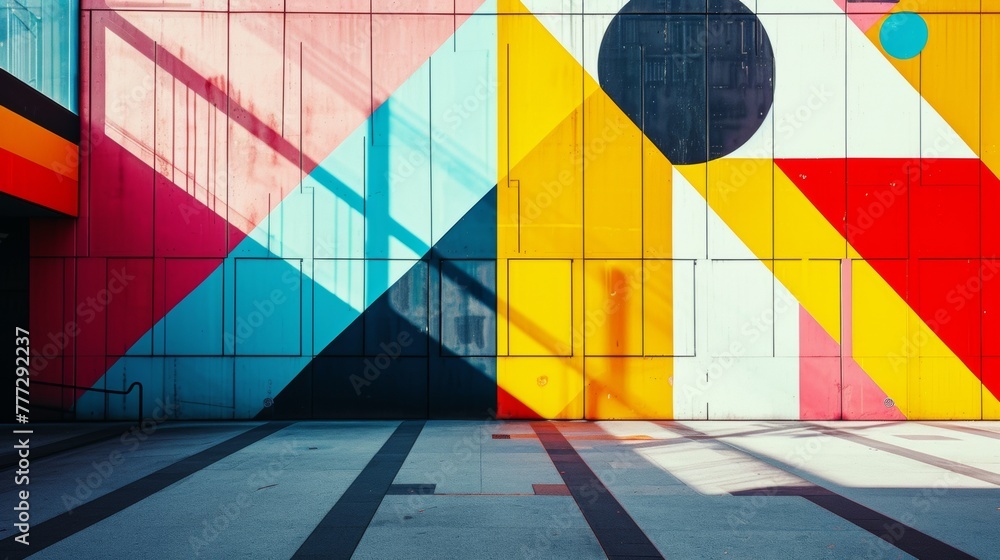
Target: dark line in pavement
x=67, y=524
x=339, y=532
x=926, y=458
x=895, y=533
x=616, y=531
x=964, y=429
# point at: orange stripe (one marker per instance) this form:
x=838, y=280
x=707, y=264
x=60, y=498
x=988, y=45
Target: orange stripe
x=24, y=138
x=30, y=181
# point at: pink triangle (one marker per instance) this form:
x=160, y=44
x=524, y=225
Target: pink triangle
x=863, y=399
x=819, y=371
x=865, y=14
x=832, y=387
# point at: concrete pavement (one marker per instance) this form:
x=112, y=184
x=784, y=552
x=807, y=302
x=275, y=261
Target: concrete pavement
x=463, y=489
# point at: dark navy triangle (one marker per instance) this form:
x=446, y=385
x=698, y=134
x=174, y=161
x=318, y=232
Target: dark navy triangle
x=426, y=348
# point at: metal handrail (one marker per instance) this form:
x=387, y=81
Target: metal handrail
x=109, y=391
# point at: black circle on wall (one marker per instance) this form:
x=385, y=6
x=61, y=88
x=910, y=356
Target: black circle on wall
x=697, y=76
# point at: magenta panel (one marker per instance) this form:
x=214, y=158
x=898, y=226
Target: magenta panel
x=129, y=299
x=82, y=237
x=47, y=324
x=121, y=183
x=91, y=315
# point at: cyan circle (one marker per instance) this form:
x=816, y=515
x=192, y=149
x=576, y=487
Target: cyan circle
x=903, y=35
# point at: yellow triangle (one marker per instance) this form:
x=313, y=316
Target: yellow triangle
x=540, y=83
x=740, y=192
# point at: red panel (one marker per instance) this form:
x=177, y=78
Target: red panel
x=35, y=183
x=509, y=407
x=896, y=273
x=47, y=322
x=944, y=172
x=121, y=203
x=186, y=227
x=121, y=197
x=49, y=370
x=129, y=298
x=89, y=369
x=944, y=221
x=988, y=211
x=991, y=307
x=69, y=309
x=185, y=275
x=89, y=313
x=82, y=238
x=159, y=296
x=878, y=220
x=949, y=302
x=824, y=183
x=6, y=163
x=883, y=172
x=991, y=376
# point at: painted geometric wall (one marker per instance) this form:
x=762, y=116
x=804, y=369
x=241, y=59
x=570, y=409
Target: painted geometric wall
x=757, y=209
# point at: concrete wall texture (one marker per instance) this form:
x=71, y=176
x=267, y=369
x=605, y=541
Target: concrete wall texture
x=767, y=209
